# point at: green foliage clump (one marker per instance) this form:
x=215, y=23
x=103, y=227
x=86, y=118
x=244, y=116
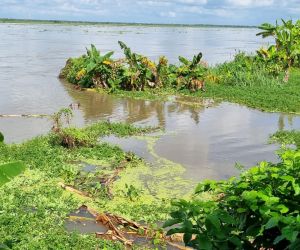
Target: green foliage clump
x=246, y=70
x=34, y=207
x=286, y=51
x=33, y=212
x=286, y=137
x=73, y=137
x=134, y=72
x=258, y=210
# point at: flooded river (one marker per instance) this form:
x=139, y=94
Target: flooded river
x=206, y=141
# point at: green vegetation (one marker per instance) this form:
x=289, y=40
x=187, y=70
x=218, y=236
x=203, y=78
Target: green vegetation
x=9, y=171
x=286, y=138
x=135, y=72
x=258, y=210
x=267, y=80
x=45, y=179
x=34, y=206
x=1, y=138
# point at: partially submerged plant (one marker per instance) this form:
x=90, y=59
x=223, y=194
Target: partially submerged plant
x=135, y=72
x=61, y=118
x=191, y=74
x=67, y=136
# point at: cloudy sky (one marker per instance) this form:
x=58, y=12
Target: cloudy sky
x=244, y=12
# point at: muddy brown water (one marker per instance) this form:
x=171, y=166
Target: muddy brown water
x=206, y=141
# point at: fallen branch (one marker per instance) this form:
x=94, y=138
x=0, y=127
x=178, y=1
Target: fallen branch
x=73, y=190
x=113, y=221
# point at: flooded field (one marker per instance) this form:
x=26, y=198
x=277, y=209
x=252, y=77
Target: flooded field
x=206, y=141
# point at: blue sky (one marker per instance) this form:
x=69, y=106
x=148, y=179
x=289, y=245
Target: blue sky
x=239, y=12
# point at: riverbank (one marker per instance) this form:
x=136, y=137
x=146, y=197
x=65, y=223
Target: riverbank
x=282, y=98
x=52, y=203
x=251, y=80
x=59, y=180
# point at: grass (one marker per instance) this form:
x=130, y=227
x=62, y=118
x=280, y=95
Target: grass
x=276, y=98
x=33, y=206
x=286, y=137
x=282, y=97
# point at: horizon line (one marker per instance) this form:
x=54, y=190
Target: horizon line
x=56, y=21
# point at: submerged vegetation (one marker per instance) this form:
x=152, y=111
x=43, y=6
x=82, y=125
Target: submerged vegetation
x=268, y=79
x=52, y=179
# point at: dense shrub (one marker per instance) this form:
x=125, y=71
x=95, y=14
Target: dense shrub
x=258, y=210
x=247, y=70
x=134, y=72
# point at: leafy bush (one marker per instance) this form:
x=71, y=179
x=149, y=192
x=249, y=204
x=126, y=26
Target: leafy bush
x=286, y=137
x=286, y=50
x=258, y=210
x=73, y=137
x=134, y=72
x=246, y=70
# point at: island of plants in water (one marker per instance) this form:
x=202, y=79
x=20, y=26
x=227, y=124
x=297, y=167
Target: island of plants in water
x=268, y=79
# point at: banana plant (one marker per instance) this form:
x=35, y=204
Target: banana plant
x=140, y=70
x=191, y=73
x=99, y=67
x=287, y=40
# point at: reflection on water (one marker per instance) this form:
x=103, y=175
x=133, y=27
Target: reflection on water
x=206, y=141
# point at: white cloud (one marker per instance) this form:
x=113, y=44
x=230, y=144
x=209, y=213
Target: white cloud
x=186, y=11
x=250, y=3
x=168, y=14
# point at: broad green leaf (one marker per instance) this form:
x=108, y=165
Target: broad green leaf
x=183, y=60
x=171, y=222
x=278, y=239
x=289, y=233
x=212, y=223
x=91, y=66
x=204, y=243
x=9, y=171
x=236, y=241
x=187, y=238
x=1, y=137
x=283, y=208
x=273, y=222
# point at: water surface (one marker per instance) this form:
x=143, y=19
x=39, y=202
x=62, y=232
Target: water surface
x=206, y=141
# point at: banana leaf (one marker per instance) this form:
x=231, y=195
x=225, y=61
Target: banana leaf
x=9, y=171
